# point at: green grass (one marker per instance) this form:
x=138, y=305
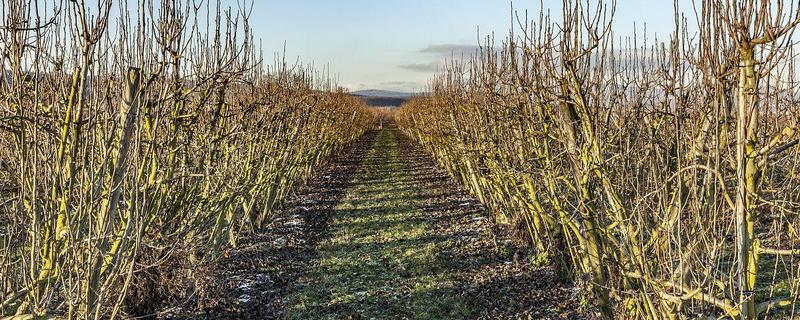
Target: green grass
x=382, y=259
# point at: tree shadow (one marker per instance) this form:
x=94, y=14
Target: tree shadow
x=251, y=280
x=390, y=267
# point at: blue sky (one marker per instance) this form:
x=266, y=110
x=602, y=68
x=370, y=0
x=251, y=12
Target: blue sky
x=395, y=45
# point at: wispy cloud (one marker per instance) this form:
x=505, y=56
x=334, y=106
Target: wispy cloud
x=400, y=86
x=354, y=86
x=439, y=54
x=403, y=86
x=398, y=83
x=451, y=49
x=423, y=67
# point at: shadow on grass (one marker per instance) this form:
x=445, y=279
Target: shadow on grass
x=252, y=280
x=385, y=257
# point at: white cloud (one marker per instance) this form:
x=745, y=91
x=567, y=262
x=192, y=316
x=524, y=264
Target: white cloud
x=354, y=86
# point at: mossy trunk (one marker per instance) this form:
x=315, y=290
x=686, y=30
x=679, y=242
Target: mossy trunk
x=747, y=180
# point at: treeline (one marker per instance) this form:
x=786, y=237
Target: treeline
x=140, y=135
x=662, y=177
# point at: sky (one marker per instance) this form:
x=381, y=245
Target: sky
x=397, y=44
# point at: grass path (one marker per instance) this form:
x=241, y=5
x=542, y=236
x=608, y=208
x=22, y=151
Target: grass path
x=381, y=233
x=383, y=256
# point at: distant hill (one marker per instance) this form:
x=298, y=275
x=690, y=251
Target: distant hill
x=384, y=98
x=384, y=94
